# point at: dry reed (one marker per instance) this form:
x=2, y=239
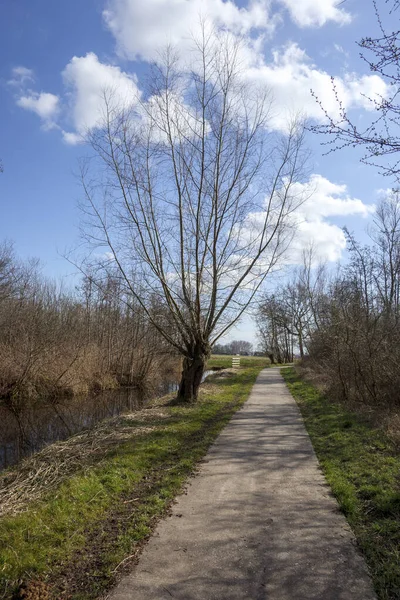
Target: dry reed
x=36, y=475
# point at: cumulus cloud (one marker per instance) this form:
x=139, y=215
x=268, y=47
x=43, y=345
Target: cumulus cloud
x=20, y=76
x=290, y=76
x=45, y=105
x=367, y=90
x=321, y=199
x=88, y=80
x=328, y=199
x=325, y=199
x=315, y=13
x=141, y=28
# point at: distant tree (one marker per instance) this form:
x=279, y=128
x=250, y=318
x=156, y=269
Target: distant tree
x=7, y=269
x=288, y=317
x=220, y=349
x=235, y=347
x=380, y=137
x=241, y=347
x=274, y=330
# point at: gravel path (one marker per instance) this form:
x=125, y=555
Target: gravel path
x=257, y=523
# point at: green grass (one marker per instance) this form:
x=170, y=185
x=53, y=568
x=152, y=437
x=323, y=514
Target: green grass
x=225, y=361
x=362, y=466
x=76, y=536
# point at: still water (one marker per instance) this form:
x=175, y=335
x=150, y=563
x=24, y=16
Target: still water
x=42, y=425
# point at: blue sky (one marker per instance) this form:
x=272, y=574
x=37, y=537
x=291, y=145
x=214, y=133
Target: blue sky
x=56, y=56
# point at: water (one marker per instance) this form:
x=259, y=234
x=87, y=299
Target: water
x=45, y=424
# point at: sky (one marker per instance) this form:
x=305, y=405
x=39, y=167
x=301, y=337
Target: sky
x=57, y=58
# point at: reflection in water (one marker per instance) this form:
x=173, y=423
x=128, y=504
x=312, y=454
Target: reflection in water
x=39, y=426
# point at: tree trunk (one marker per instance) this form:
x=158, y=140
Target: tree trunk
x=301, y=346
x=192, y=373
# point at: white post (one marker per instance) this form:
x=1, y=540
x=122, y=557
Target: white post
x=236, y=361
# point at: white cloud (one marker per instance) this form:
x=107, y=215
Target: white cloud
x=20, y=76
x=141, y=29
x=310, y=222
x=315, y=13
x=88, y=80
x=328, y=199
x=366, y=88
x=291, y=76
x=45, y=105
x=72, y=138
x=288, y=73
x=325, y=199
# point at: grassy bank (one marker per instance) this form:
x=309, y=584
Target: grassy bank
x=362, y=466
x=74, y=540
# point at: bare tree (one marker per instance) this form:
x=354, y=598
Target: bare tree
x=386, y=235
x=380, y=136
x=275, y=332
x=7, y=270
x=287, y=318
x=354, y=346
x=196, y=194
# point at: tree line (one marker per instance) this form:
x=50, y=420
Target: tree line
x=235, y=347
x=56, y=342
x=345, y=324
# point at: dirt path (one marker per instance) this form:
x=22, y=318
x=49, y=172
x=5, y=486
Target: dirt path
x=257, y=523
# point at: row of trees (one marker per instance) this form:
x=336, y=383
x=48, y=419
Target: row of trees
x=54, y=342
x=345, y=324
x=234, y=347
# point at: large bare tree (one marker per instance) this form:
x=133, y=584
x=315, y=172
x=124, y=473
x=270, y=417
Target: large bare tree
x=194, y=191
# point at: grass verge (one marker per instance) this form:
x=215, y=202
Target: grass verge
x=362, y=466
x=75, y=540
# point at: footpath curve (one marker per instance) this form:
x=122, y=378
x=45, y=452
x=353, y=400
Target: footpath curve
x=257, y=523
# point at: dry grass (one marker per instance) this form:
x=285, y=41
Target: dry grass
x=35, y=476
